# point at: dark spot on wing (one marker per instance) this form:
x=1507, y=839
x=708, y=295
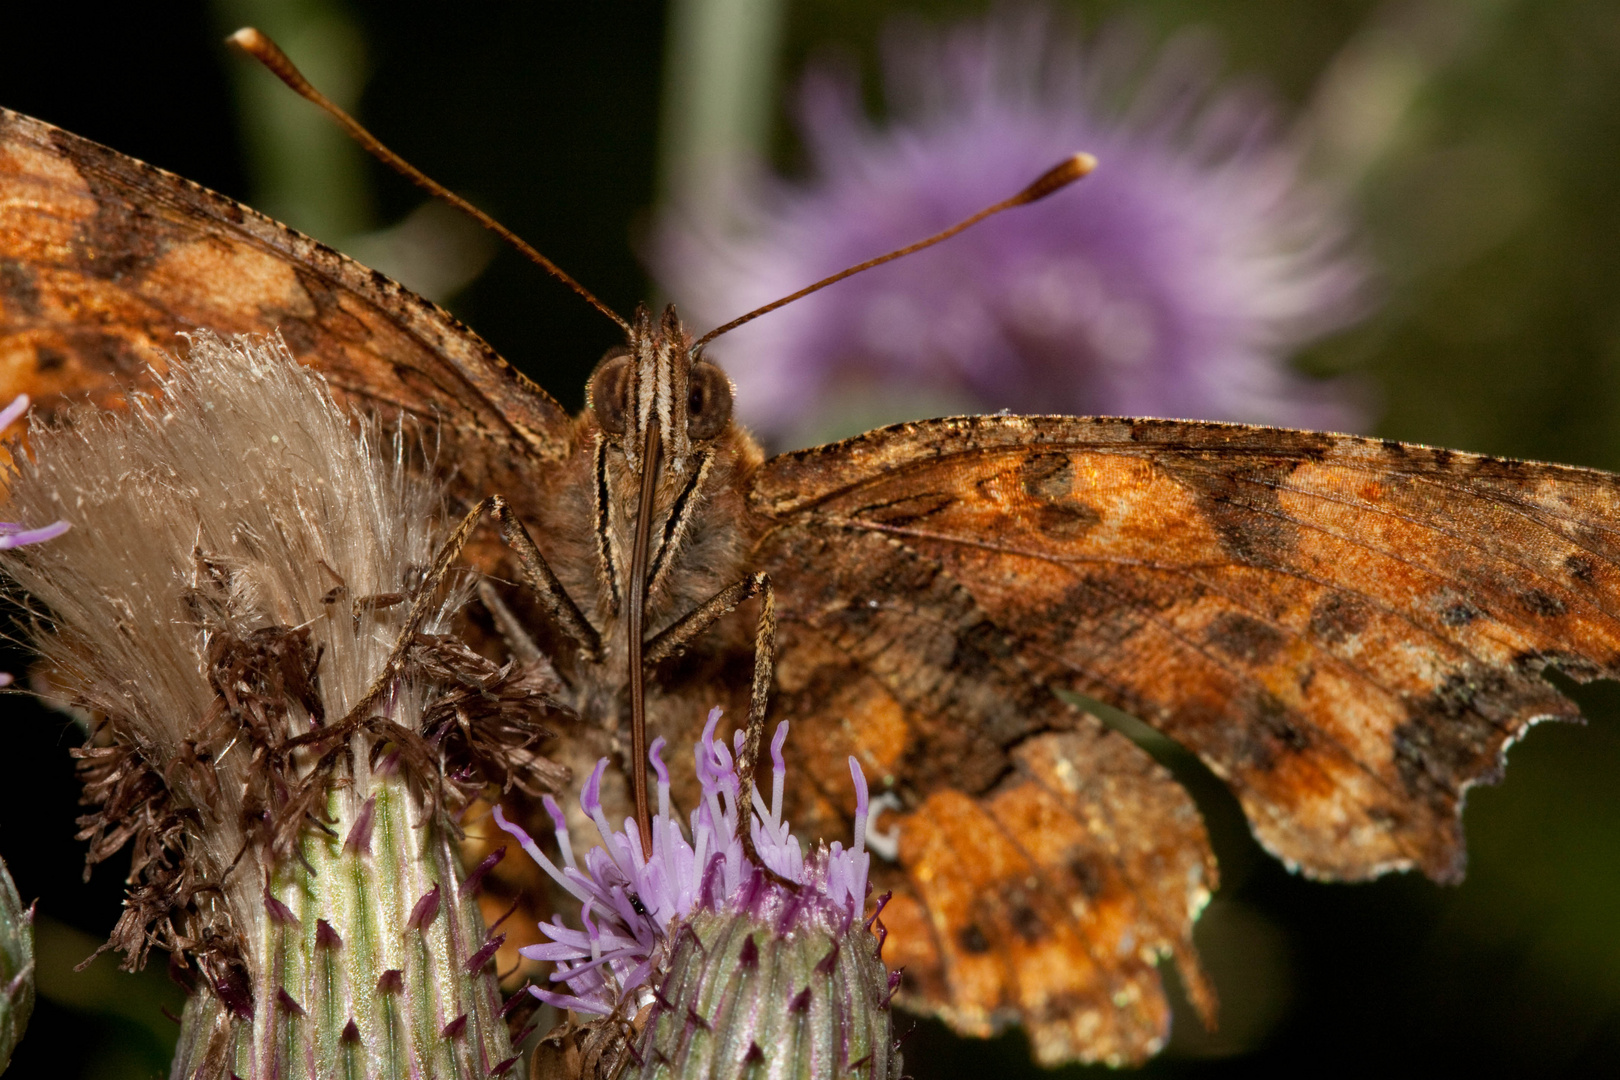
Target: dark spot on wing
x=1068, y=520
x=1337, y=617
x=1026, y=921
x=1245, y=638
x=1048, y=480
x=978, y=647
x=1088, y=876
x=1580, y=567
x=1539, y=602
x=1262, y=731
x=1098, y=612
x=972, y=939
x=1239, y=499
x=1459, y=613
x=298, y=335
x=107, y=352
x=18, y=289
x=899, y=513
x=1047, y=476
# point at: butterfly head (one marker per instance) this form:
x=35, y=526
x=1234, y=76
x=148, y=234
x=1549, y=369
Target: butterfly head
x=650, y=391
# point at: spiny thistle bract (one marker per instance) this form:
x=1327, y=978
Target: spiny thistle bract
x=282, y=745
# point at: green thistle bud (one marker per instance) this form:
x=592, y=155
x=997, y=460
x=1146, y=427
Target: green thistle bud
x=16, y=966
x=285, y=730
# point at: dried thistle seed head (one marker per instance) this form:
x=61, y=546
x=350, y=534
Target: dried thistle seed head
x=238, y=576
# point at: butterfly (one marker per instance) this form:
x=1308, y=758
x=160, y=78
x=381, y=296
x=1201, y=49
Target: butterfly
x=1349, y=632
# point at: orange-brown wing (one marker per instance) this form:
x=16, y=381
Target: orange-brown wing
x=1044, y=884
x=103, y=259
x=1349, y=632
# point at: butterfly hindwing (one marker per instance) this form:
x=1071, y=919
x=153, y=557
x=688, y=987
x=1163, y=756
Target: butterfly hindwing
x=1046, y=862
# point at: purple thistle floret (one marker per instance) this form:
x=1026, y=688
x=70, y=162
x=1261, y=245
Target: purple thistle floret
x=1174, y=281
x=629, y=903
x=12, y=534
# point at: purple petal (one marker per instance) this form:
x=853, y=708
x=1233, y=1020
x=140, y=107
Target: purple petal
x=590, y=797
x=11, y=413
x=778, y=763
x=654, y=754
x=34, y=536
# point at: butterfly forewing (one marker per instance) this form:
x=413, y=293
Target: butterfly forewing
x=104, y=259
x=1348, y=631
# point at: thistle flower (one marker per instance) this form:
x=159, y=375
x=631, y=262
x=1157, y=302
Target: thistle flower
x=726, y=964
x=281, y=742
x=1174, y=281
x=16, y=965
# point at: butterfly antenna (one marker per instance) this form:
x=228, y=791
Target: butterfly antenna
x=268, y=53
x=1054, y=179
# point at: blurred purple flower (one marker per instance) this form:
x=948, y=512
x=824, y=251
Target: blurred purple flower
x=631, y=905
x=1174, y=281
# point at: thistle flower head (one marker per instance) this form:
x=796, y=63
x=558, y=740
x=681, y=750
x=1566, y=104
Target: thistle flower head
x=663, y=932
x=1173, y=281
x=277, y=735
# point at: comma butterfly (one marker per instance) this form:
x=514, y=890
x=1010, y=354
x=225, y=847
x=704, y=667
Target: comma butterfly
x=1348, y=632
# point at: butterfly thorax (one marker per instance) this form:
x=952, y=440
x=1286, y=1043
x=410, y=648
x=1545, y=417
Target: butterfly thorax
x=650, y=403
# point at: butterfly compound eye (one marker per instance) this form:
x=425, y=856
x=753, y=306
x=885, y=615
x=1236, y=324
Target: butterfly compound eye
x=708, y=401
x=610, y=392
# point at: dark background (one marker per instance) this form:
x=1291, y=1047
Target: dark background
x=1494, y=214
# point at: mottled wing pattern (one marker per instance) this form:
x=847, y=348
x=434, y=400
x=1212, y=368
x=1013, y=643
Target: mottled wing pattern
x=1349, y=632
x=1048, y=862
x=103, y=259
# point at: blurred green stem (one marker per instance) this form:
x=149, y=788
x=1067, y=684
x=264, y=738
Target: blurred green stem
x=16, y=966
x=719, y=96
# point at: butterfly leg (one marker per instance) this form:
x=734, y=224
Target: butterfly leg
x=421, y=607
x=558, y=604
x=535, y=570
x=676, y=637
